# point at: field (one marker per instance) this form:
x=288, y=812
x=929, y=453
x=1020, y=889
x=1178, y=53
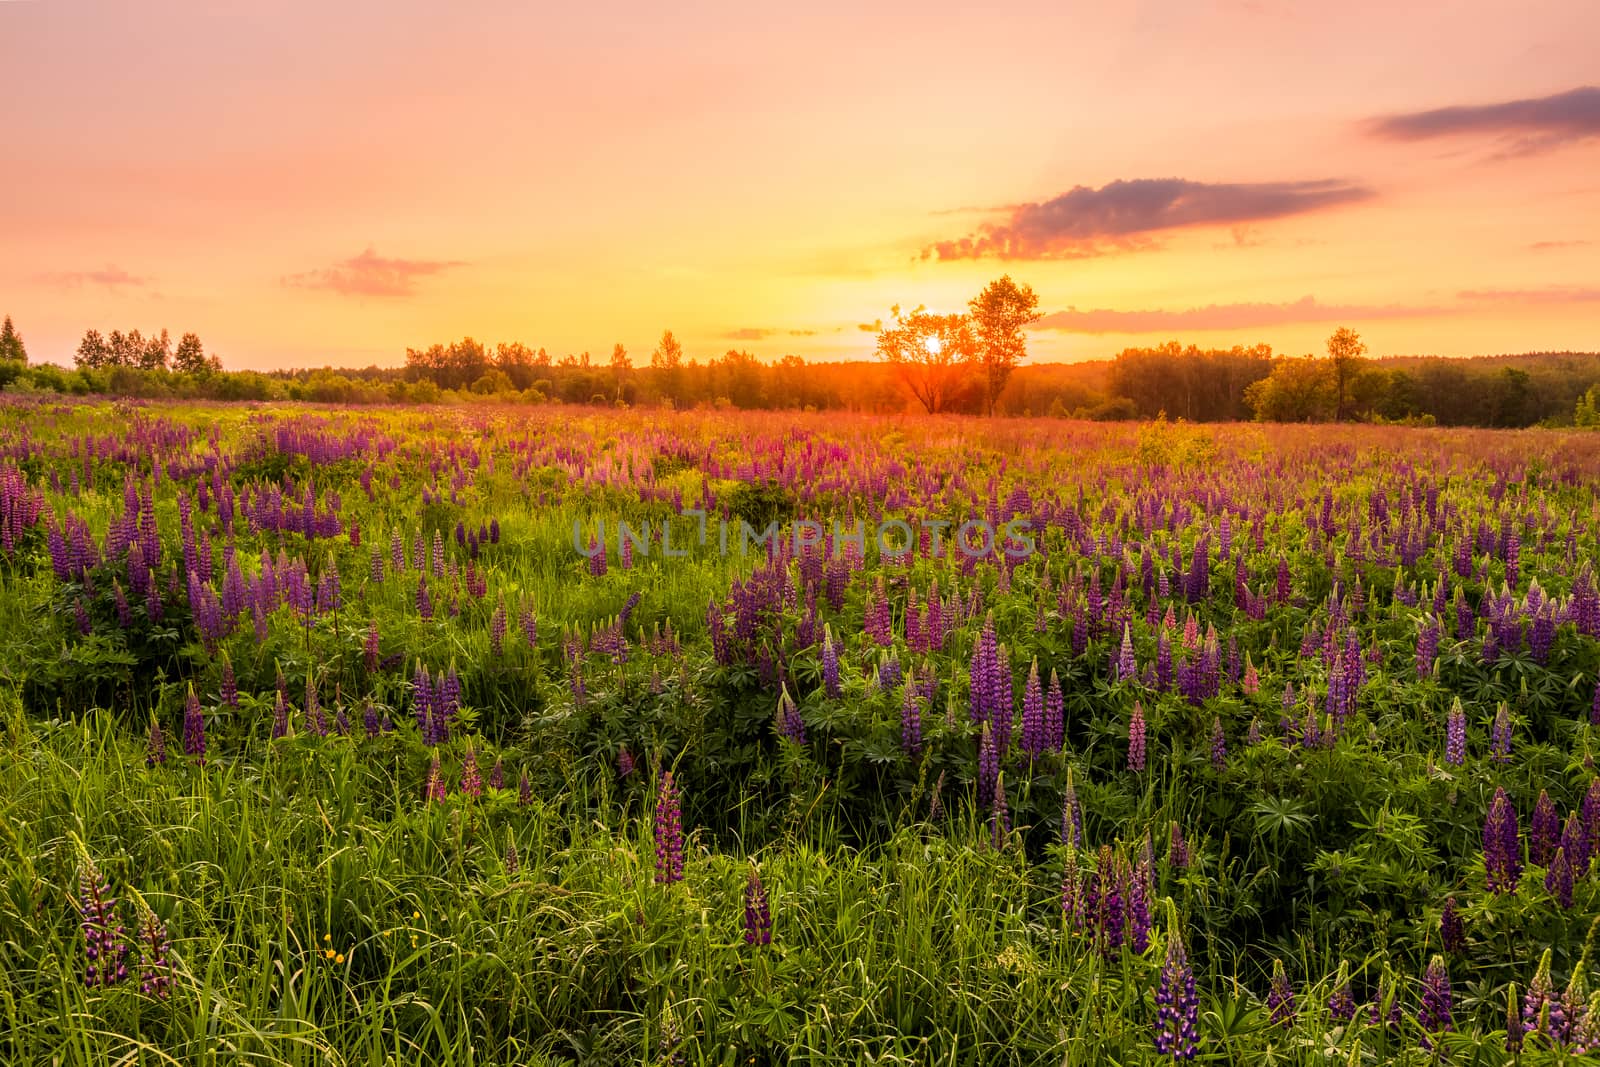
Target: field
x=332, y=737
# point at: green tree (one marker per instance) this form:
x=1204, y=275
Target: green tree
x=931, y=354
x=999, y=313
x=93, y=351
x=12, y=349
x=1345, y=350
x=1297, y=390
x=190, y=356
x=1587, y=413
x=667, y=364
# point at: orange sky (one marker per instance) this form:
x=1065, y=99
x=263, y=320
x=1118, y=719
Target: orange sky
x=304, y=184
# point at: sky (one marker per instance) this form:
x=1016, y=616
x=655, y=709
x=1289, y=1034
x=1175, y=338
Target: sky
x=309, y=184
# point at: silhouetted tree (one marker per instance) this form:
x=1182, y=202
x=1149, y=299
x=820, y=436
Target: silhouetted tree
x=999, y=313
x=930, y=353
x=190, y=357
x=1345, y=350
x=12, y=349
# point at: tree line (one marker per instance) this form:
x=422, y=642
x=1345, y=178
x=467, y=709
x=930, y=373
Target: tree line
x=967, y=363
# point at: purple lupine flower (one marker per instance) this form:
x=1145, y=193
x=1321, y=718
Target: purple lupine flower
x=936, y=799
x=105, y=949
x=229, y=688
x=1385, y=993
x=999, y=816
x=1054, y=718
x=1136, y=738
x=1544, y=831
x=280, y=711
x=1589, y=810
x=910, y=722
x=435, y=788
x=1177, y=848
x=369, y=720
x=1500, y=736
x=155, y=969
x=1502, y=849
x=1576, y=844
x=1127, y=665
x=1427, y=647
x=668, y=831
x=1219, y=744
x=371, y=648
x=830, y=664
x=497, y=630
x=424, y=601
x=1513, y=1020
x=1033, y=731
x=1558, y=879
x=1177, y=1004
x=757, y=914
x=1455, y=735
x=1541, y=1007
x=1252, y=734
x=316, y=720
x=1071, y=815
x=1110, y=913
x=1452, y=931
x=497, y=774
x=1139, y=891
x=988, y=767
x=194, y=728
x=1342, y=1004
x=1434, y=1012
x=524, y=790
x=791, y=727
x=1280, y=997
x=155, y=747
x=471, y=780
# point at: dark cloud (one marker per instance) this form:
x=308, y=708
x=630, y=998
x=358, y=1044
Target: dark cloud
x=875, y=326
x=1528, y=125
x=1217, y=317
x=370, y=274
x=109, y=276
x=1126, y=214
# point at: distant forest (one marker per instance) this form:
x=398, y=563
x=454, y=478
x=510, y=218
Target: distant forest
x=1181, y=382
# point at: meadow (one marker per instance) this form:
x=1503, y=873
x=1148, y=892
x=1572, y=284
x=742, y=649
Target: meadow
x=324, y=742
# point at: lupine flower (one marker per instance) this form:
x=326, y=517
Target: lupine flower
x=194, y=728
x=1252, y=735
x=1127, y=666
x=1219, y=745
x=757, y=915
x=1455, y=735
x=471, y=781
x=1544, y=831
x=524, y=791
x=1139, y=893
x=155, y=969
x=936, y=799
x=436, y=788
x=1513, y=1020
x=280, y=711
x=105, y=949
x=1033, y=732
x=1280, y=997
x=1540, y=1005
x=910, y=722
x=1452, y=932
x=513, y=860
x=1136, y=738
x=1558, y=879
x=1576, y=844
x=988, y=767
x=1502, y=848
x=625, y=762
x=1072, y=895
x=999, y=815
x=1385, y=994
x=1054, y=705
x=229, y=688
x=155, y=748
x=370, y=722
x=1434, y=1012
x=668, y=831
x=316, y=721
x=1500, y=736
x=1342, y=1005
x=1111, y=911
x=1177, y=848
x=1177, y=1004
x=1071, y=815
x=830, y=664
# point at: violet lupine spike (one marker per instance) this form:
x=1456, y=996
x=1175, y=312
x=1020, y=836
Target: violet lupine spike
x=1177, y=1003
x=625, y=762
x=1341, y=1003
x=1219, y=745
x=1127, y=665
x=1434, y=1015
x=910, y=722
x=1502, y=849
x=1136, y=738
x=988, y=767
x=1110, y=911
x=155, y=749
x=194, y=728
x=999, y=816
x=524, y=791
x=229, y=687
x=1500, y=735
x=1034, y=742
x=830, y=664
x=1558, y=880
x=1544, y=831
x=1455, y=735
x=471, y=780
x=1071, y=815
x=668, y=831
x=155, y=967
x=1054, y=713
x=435, y=788
x=1576, y=844
x=1177, y=848
x=757, y=912
x=1139, y=890
x=105, y=948
x=1452, y=931
x=370, y=723
x=1280, y=997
